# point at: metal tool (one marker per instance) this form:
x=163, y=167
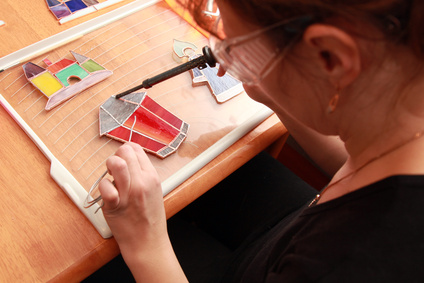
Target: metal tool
x=89, y=201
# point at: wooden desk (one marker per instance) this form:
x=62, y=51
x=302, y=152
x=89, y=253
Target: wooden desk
x=43, y=237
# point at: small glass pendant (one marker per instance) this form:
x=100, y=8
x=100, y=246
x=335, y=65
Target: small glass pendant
x=315, y=200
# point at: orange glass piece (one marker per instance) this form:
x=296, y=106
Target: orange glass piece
x=56, y=67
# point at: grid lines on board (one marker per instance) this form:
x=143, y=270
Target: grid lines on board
x=134, y=48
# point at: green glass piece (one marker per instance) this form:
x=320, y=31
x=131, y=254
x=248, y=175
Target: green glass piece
x=73, y=71
x=92, y=66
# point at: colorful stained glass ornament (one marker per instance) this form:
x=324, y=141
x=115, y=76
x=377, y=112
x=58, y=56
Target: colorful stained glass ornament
x=223, y=88
x=66, y=10
x=65, y=78
x=138, y=118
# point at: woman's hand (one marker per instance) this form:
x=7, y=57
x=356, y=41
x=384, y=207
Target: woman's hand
x=133, y=208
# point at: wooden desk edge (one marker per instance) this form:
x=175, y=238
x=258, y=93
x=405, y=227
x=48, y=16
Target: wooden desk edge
x=226, y=163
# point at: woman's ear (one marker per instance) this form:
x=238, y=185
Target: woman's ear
x=336, y=52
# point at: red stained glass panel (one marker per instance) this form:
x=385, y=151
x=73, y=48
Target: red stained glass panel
x=147, y=143
x=151, y=125
x=121, y=133
x=162, y=112
x=124, y=134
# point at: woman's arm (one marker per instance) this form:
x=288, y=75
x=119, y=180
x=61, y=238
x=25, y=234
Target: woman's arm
x=134, y=210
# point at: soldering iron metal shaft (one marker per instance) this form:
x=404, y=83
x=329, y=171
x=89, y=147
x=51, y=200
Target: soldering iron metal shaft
x=199, y=62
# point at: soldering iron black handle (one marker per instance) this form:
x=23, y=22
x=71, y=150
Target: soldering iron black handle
x=199, y=62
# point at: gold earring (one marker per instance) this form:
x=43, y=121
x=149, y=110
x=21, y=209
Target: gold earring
x=333, y=103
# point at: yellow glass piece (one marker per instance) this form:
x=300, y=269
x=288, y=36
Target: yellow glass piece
x=47, y=83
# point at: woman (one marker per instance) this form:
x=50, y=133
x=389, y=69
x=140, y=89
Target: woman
x=352, y=69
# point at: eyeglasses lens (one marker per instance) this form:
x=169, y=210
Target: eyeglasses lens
x=247, y=60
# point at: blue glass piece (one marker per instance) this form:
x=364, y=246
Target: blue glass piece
x=75, y=5
x=52, y=3
x=60, y=11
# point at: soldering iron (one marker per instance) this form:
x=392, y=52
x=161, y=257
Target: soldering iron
x=200, y=62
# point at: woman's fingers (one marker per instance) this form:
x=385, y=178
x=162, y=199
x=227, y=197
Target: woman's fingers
x=143, y=160
x=110, y=195
x=149, y=180
x=133, y=175
x=112, y=198
x=128, y=154
x=221, y=71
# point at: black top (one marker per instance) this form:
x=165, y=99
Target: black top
x=374, y=234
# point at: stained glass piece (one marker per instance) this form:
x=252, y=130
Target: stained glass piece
x=164, y=152
x=147, y=143
x=198, y=76
x=125, y=134
x=138, y=118
x=121, y=133
x=80, y=58
x=31, y=70
x=90, y=2
x=114, y=113
x=135, y=97
x=67, y=73
x=47, y=83
x=60, y=11
x=47, y=61
x=183, y=49
x=72, y=71
x=67, y=10
x=76, y=88
x=154, y=107
x=219, y=85
x=52, y=3
x=58, y=66
x=178, y=140
x=92, y=66
x=184, y=128
x=223, y=88
x=151, y=125
x=108, y=121
x=75, y=5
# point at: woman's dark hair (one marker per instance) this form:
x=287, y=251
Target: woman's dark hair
x=401, y=21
